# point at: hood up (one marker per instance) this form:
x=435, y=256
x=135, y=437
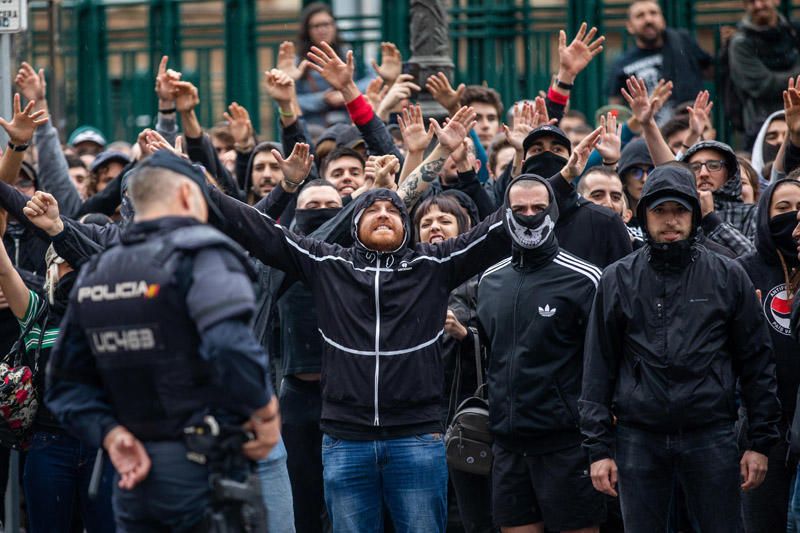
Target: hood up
x=260, y=147
x=757, y=156
x=669, y=180
x=533, y=237
x=765, y=244
x=731, y=190
x=367, y=199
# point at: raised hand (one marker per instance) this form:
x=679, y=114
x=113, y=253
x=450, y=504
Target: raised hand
x=540, y=115
x=154, y=142
x=580, y=155
x=412, y=127
x=791, y=107
x=644, y=108
x=297, y=166
x=455, y=130
x=239, y=124
x=523, y=124
x=165, y=81
x=375, y=92
x=325, y=60
x=186, y=96
x=391, y=63
x=280, y=86
x=31, y=84
x=286, y=61
x=700, y=113
x=441, y=90
x=610, y=144
x=24, y=122
x=386, y=167
x=42, y=211
x=580, y=52
x=401, y=91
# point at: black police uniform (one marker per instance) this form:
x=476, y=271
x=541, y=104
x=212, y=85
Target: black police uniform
x=156, y=338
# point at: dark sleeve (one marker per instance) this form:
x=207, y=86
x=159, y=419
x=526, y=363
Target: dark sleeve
x=200, y=150
x=379, y=140
x=704, y=59
x=296, y=133
x=794, y=324
x=221, y=303
x=618, y=241
x=13, y=201
x=754, y=362
x=469, y=184
x=242, y=164
x=615, y=79
x=107, y=200
x=565, y=193
x=600, y=366
x=791, y=157
x=75, y=246
x=501, y=184
x=555, y=110
x=74, y=391
x=275, y=202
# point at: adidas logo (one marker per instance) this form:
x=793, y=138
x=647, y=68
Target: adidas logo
x=546, y=311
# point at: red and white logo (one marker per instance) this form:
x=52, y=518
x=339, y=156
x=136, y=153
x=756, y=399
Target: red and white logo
x=778, y=309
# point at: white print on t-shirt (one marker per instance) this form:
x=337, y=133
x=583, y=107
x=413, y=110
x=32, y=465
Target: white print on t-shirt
x=647, y=69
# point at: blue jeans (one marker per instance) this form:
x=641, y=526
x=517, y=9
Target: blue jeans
x=793, y=520
x=56, y=478
x=408, y=475
x=277, y=490
x=706, y=464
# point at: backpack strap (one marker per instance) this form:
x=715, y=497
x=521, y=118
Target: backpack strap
x=476, y=343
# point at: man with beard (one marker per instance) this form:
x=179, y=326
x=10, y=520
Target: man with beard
x=585, y=229
x=674, y=329
x=763, y=54
x=660, y=53
x=535, y=360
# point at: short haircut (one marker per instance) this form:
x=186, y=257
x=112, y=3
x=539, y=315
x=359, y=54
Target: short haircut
x=674, y=125
x=485, y=95
x=339, y=153
x=599, y=169
x=794, y=174
x=446, y=204
x=574, y=113
x=499, y=144
x=319, y=182
x=149, y=186
x=223, y=134
x=73, y=161
x=634, y=2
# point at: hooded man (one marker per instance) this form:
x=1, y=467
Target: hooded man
x=775, y=272
x=716, y=169
x=589, y=231
x=770, y=137
x=673, y=328
x=381, y=306
x=533, y=308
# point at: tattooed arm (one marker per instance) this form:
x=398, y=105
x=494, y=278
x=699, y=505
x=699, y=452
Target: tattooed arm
x=415, y=185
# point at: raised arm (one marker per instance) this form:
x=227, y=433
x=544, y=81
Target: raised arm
x=644, y=109
x=415, y=138
x=16, y=292
x=167, y=118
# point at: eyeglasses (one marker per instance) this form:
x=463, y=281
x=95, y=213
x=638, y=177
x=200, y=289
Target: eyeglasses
x=639, y=173
x=713, y=165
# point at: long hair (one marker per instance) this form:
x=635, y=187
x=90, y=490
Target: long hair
x=445, y=204
x=304, y=42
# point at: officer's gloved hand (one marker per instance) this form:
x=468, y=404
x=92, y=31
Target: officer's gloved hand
x=266, y=424
x=128, y=456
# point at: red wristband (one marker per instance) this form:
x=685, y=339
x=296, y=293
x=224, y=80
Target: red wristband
x=360, y=110
x=556, y=97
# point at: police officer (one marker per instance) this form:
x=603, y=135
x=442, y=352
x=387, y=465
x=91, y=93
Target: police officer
x=156, y=361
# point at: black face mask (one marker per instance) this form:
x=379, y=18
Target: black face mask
x=781, y=228
x=531, y=231
x=546, y=164
x=61, y=293
x=309, y=220
x=769, y=152
x=674, y=256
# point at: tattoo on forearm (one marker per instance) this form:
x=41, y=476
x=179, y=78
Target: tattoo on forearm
x=419, y=180
x=431, y=170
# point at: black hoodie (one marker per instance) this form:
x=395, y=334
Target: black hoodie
x=380, y=314
x=673, y=328
x=533, y=309
x=767, y=274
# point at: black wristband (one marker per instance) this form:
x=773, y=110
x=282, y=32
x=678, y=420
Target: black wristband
x=566, y=86
x=167, y=111
x=17, y=147
x=611, y=164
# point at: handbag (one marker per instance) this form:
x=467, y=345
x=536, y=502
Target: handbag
x=468, y=441
x=18, y=398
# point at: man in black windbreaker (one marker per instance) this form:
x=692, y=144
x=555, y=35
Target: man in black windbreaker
x=533, y=309
x=673, y=327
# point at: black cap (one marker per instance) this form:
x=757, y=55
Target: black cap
x=547, y=130
x=167, y=160
x=655, y=202
x=103, y=158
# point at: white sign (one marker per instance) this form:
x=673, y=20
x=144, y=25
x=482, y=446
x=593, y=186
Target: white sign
x=13, y=16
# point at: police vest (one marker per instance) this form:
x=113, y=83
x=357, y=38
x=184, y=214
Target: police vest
x=131, y=306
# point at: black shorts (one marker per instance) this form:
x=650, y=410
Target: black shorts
x=554, y=488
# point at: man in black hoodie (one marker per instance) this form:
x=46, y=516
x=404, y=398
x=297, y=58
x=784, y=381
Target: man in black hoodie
x=533, y=309
x=775, y=272
x=673, y=327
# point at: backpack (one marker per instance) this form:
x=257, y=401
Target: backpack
x=468, y=441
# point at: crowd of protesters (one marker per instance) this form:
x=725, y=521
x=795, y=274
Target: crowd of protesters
x=618, y=294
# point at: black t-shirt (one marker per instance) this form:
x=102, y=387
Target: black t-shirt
x=644, y=64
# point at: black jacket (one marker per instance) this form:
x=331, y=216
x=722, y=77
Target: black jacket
x=380, y=315
x=533, y=309
x=767, y=275
x=670, y=335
